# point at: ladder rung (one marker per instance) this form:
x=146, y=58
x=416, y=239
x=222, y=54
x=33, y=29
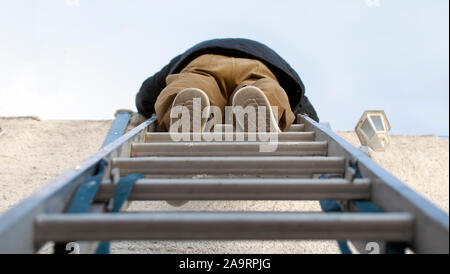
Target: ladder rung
x=235, y=136
x=276, y=166
x=243, y=189
x=224, y=226
x=296, y=127
x=224, y=127
x=228, y=149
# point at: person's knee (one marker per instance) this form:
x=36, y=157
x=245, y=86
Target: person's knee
x=268, y=85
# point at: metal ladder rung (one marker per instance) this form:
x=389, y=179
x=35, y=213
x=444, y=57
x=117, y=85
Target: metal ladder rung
x=243, y=189
x=228, y=149
x=234, y=136
x=264, y=165
x=420, y=225
x=224, y=127
x=296, y=127
x=224, y=226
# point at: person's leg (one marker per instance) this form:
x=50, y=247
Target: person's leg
x=201, y=74
x=276, y=96
x=254, y=73
x=179, y=82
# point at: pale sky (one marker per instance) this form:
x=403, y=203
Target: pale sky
x=83, y=59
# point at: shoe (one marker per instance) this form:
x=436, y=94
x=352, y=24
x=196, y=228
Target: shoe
x=188, y=98
x=253, y=96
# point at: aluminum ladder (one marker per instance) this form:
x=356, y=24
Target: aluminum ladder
x=310, y=163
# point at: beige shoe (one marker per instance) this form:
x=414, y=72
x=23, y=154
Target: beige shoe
x=193, y=99
x=251, y=96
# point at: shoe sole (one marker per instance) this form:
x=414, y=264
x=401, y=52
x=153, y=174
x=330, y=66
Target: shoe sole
x=186, y=95
x=242, y=97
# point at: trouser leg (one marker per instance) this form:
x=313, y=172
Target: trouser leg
x=176, y=83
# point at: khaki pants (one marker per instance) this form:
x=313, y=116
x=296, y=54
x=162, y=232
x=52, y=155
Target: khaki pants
x=219, y=77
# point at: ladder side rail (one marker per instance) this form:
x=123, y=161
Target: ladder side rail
x=89, y=247
x=431, y=230
x=17, y=224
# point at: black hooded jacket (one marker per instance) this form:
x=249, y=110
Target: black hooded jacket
x=241, y=48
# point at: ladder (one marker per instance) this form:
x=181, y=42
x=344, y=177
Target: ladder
x=310, y=163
